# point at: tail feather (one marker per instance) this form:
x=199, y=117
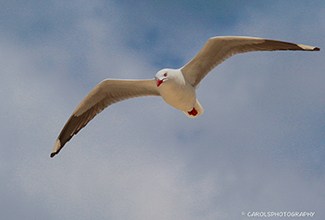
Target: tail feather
x=198, y=108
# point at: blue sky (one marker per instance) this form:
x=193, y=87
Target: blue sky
x=259, y=145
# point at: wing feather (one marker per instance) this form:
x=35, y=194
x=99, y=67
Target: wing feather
x=104, y=94
x=218, y=49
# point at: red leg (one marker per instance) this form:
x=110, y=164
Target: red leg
x=193, y=112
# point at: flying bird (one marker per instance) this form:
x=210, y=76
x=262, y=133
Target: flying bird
x=176, y=86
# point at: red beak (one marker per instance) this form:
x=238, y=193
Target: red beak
x=159, y=81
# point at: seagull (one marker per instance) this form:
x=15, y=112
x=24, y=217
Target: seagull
x=176, y=86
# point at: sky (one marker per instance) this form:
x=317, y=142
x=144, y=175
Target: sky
x=258, y=147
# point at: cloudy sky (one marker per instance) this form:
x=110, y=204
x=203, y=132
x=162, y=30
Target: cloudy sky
x=258, y=147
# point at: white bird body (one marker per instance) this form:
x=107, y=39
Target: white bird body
x=177, y=92
x=176, y=86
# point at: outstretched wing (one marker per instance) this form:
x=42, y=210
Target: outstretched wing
x=218, y=49
x=104, y=94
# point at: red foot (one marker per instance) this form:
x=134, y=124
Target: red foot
x=193, y=112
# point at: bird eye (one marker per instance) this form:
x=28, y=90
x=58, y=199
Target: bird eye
x=165, y=74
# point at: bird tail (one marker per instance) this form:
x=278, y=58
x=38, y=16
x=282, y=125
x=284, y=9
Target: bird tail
x=197, y=110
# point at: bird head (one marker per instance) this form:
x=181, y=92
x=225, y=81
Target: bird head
x=162, y=76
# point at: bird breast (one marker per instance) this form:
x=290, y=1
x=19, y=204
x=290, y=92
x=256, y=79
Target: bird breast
x=179, y=94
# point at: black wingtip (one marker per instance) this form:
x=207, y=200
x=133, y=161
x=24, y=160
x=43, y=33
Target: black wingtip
x=316, y=49
x=52, y=155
